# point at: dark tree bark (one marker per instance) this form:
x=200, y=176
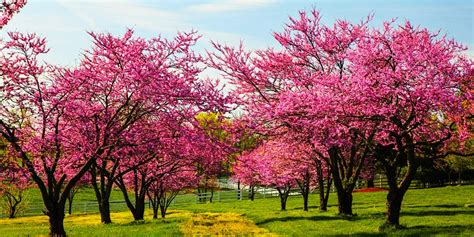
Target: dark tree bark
x=393, y=160
x=103, y=188
x=70, y=199
x=283, y=194
x=13, y=198
x=69, y=209
x=56, y=222
x=212, y=195
x=305, y=201
x=141, y=185
x=394, y=205
x=323, y=196
x=345, y=174
x=344, y=198
x=304, y=185
x=345, y=165
x=370, y=183
x=165, y=201
x=104, y=209
x=104, y=175
x=252, y=192
x=153, y=197
x=162, y=199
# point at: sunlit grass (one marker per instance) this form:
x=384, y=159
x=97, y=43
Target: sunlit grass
x=177, y=222
x=221, y=224
x=436, y=211
x=90, y=225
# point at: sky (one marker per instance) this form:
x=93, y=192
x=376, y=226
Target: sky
x=65, y=23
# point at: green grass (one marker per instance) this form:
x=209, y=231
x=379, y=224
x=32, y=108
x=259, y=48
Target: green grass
x=435, y=211
x=425, y=211
x=89, y=225
x=84, y=194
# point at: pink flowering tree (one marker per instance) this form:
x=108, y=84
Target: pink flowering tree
x=32, y=115
x=277, y=164
x=310, y=160
x=164, y=190
x=162, y=177
x=276, y=172
x=161, y=157
x=8, y=8
x=14, y=180
x=124, y=81
x=246, y=170
x=301, y=88
x=174, y=145
x=418, y=85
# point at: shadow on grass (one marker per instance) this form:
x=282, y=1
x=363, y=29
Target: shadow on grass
x=442, y=206
x=437, y=213
x=301, y=208
x=381, y=215
x=299, y=218
x=452, y=230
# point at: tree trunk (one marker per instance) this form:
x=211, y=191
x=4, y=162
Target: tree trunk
x=69, y=209
x=322, y=204
x=344, y=195
x=155, y=212
x=325, y=196
x=212, y=195
x=394, y=204
x=322, y=200
x=344, y=198
x=56, y=222
x=154, y=205
x=397, y=189
x=12, y=212
x=370, y=183
x=70, y=199
x=283, y=194
x=102, y=190
x=252, y=193
x=459, y=178
x=139, y=212
x=305, y=200
x=283, y=203
x=163, y=211
x=104, y=208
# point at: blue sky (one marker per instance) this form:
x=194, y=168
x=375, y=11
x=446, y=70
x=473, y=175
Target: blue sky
x=65, y=22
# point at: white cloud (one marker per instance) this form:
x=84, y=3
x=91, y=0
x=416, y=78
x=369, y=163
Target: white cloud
x=230, y=5
x=89, y=20
x=127, y=14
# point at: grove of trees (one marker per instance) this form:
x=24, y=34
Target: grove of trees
x=324, y=107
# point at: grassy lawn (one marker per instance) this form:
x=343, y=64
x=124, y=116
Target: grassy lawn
x=436, y=211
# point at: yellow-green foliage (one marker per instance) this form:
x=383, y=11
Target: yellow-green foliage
x=214, y=124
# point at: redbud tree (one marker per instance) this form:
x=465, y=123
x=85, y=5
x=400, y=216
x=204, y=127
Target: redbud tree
x=8, y=8
x=14, y=180
x=418, y=86
x=301, y=88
